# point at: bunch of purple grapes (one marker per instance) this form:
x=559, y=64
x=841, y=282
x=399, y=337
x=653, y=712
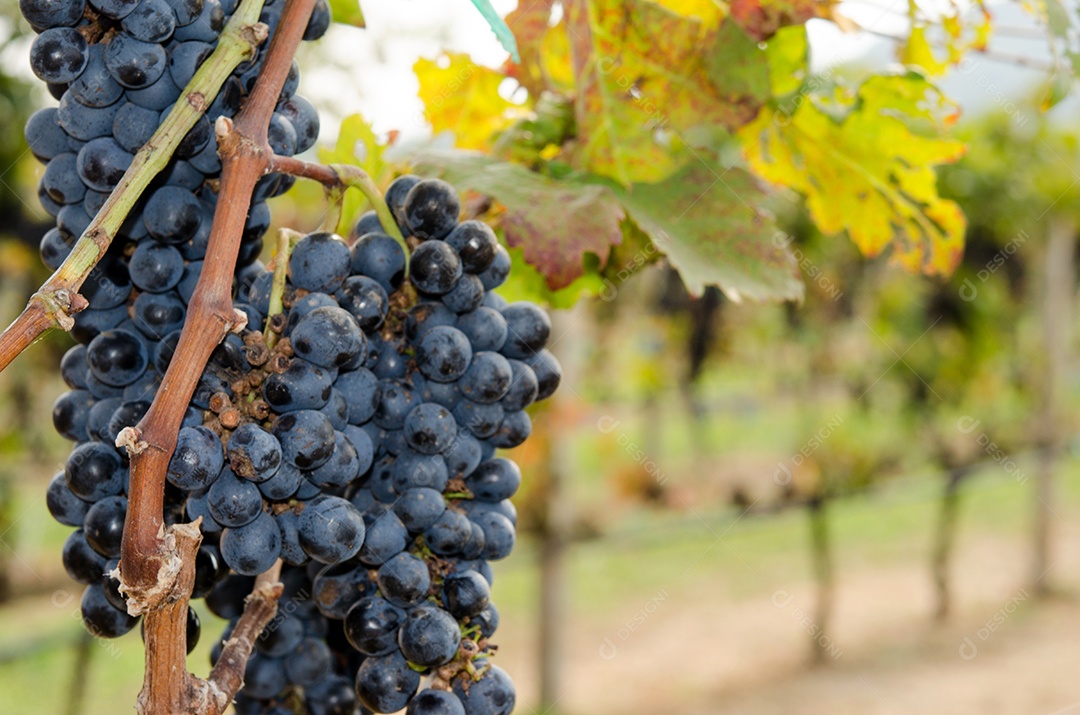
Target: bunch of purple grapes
x=353, y=436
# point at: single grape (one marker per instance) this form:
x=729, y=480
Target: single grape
x=434, y=268
x=385, y=683
x=252, y=548
x=431, y=209
x=59, y=55
x=429, y=637
x=253, y=453
x=443, y=354
x=331, y=530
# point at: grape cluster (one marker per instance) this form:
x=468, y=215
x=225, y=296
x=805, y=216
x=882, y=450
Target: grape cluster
x=354, y=436
x=117, y=67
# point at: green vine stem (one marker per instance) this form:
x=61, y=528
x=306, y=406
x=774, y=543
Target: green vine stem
x=286, y=239
x=58, y=298
x=344, y=176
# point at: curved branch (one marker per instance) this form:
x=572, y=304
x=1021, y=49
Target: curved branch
x=58, y=298
x=344, y=176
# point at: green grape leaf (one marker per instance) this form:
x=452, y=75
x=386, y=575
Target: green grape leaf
x=555, y=222
x=703, y=219
x=788, y=56
x=502, y=32
x=644, y=73
x=347, y=12
x=870, y=171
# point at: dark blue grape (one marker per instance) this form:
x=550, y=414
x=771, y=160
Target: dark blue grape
x=363, y=391
x=492, y=694
x=135, y=64
x=197, y=460
x=43, y=134
x=319, y=22
x=158, y=314
x=396, y=402
x=305, y=120
x=70, y=414
x=289, y=525
x=419, y=470
x=103, y=526
x=487, y=619
x=45, y=14
x=331, y=530
x=186, y=11
x=426, y=315
x=498, y=534
x=386, y=537
x=309, y=663
x=342, y=467
x=335, y=695
x=259, y=292
x=319, y=262
x=117, y=357
x=156, y=96
x=102, y=162
x=206, y=27
x=368, y=223
x=466, y=296
x=59, y=55
x=302, y=306
x=127, y=414
x=419, y=508
x=429, y=637
x=435, y=702
x=102, y=618
x=378, y=256
x=548, y=373
x=365, y=448
x=172, y=215
x=443, y=354
x=524, y=387
x=499, y=270
x=335, y=589
x=449, y=534
x=515, y=429
x=73, y=367
x=494, y=480
x=283, y=484
x=366, y=299
x=156, y=268
x=150, y=21
x=107, y=286
x=404, y=579
x=252, y=548
x=185, y=58
x=488, y=378
x=528, y=330
x=233, y=501
x=64, y=506
x=303, y=386
x=475, y=244
x=430, y=428
x=82, y=563
x=328, y=337
x=385, y=683
x=464, y=454
x=336, y=410
x=431, y=209
x=434, y=268
x=372, y=624
x=485, y=328
x=281, y=136
x=61, y=181
x=95, y=87
x=264, y=677
x=254, y=453
x=395, y=196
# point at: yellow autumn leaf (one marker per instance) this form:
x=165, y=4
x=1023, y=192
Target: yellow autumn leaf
x=870, y=173
x=917, y=52
x=463, y=97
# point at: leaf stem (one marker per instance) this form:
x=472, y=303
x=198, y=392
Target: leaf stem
x=285, y=240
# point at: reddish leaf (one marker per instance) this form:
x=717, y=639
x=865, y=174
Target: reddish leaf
x=529, y=22
x=762, y=18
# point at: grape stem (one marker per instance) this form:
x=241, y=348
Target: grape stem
x=338, y=177
x=285, y=241
x=150, y=562
x=58, y=298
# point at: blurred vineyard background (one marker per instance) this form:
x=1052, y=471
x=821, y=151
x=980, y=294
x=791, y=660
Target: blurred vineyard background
x=867, y=503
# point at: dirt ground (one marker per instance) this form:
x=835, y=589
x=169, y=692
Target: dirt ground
x=998, y=654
